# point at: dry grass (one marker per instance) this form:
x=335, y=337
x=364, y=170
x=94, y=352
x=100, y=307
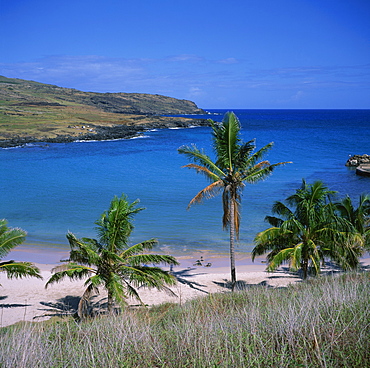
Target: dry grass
x=321, y=323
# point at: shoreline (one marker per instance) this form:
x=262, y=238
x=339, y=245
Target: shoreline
x=48, y=256
x=107, y=133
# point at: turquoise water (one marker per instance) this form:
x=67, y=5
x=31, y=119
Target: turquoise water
x=50, y=189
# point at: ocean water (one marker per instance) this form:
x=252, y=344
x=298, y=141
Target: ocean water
x=49, y=189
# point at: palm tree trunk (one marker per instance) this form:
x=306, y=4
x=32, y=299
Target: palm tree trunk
x=232, y=241
x=110, y=302
x=305, y=269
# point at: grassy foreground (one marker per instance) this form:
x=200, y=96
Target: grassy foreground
x=324, y=322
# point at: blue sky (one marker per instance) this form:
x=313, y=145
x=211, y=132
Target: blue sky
x=220, y=54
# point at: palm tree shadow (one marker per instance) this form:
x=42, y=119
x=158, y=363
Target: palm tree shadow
x=62, y=307
x=68, y=306
x=240, y=285
x=284, y=272
x=12, y=305
x=181, y=278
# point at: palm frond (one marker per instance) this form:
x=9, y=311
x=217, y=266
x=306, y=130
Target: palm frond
x=132, y=292
x=226, y=139
x=253, y=159
x=281, y=209
x=138, y=248
x=84, y=251
x=266, y=240
x=115, y=225
x=260, y=171
x=209, y=191
x=19, y=269
x=203, y=170
x=241, y=159
x=268, y=236
x=73, y=271
x=153, y=259
x=9, y=238
x=274, y=221
x=150, y=277
x=296, y=256
x=197, y=156
x=283, y=256
x=116, y=288
x=315, y=262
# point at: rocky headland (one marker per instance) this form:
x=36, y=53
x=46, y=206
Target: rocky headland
x=36, y=112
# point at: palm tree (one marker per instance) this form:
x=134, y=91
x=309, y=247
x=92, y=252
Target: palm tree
x=111, y=263
x=235, y=165
x=309, y=233
x=9, y=239
x=359, y=217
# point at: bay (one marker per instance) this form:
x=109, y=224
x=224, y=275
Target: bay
x=49, y=189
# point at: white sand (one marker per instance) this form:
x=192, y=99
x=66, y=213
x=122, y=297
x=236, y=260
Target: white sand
x=28, y=300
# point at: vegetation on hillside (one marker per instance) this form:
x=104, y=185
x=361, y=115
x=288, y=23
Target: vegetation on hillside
x=32, y=109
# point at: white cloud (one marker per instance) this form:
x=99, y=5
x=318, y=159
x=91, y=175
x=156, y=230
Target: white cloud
x=185, y=58
x=192, y=77
x=228, y=61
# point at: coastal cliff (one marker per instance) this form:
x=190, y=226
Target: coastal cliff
x=37, y=112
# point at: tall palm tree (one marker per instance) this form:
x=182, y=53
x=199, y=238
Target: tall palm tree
x=307, y=235
x=359, y=217
x=235, y=165
x=111, y=262
x=9, y=239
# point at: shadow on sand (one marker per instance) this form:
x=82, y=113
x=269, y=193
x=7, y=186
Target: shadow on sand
x=181, y=278
x=12, y=305
x=68, y=306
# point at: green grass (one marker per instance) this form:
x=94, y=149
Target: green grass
x=321, y=323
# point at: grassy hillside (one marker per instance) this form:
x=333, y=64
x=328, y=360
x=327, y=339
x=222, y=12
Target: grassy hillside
x=32, y=109
x=319, y=323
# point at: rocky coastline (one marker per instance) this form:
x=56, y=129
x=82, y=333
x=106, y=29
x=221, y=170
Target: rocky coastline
x=361, y=163
x=357, y=160
x=102, y=133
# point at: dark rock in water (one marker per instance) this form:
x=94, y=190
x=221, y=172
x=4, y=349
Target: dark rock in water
x=357, y=160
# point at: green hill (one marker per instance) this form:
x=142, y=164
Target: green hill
x=32, y=111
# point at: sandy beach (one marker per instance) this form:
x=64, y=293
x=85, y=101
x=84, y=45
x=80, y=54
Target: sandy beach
x=28, y=300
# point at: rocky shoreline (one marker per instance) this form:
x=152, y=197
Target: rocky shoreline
x=357, y=160
x=102, y=133
x=361, y=163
